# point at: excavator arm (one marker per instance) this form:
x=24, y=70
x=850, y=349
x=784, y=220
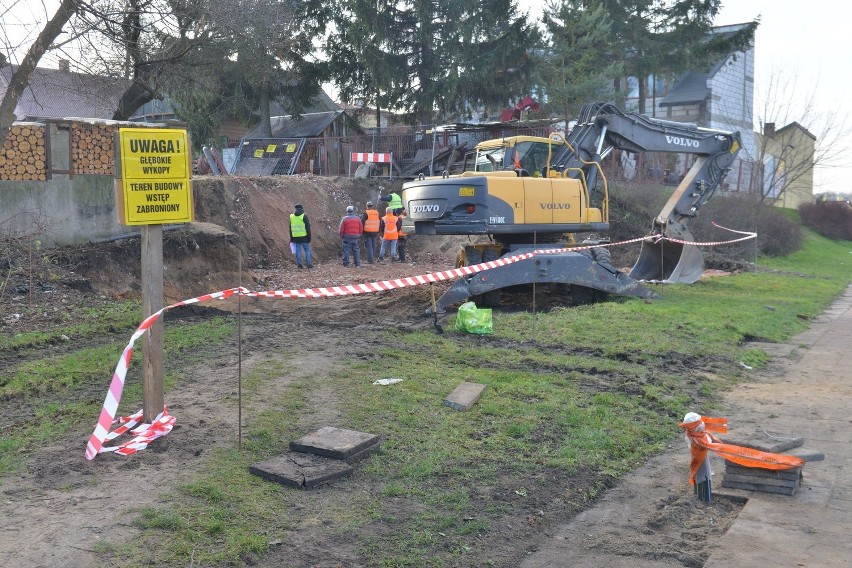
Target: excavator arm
x=602, y=127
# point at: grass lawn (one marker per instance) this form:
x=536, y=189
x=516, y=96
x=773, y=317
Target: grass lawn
x=573, y=400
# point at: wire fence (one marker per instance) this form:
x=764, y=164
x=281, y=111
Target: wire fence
x=414, y=149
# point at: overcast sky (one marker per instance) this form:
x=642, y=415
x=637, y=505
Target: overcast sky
x=808, y=41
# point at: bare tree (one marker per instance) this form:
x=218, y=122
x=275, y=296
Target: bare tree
x=136, y=39
x=21, y=75
x=793, y=139
x=139, y=40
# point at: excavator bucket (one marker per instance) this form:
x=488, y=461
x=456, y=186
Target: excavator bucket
x=666, y=261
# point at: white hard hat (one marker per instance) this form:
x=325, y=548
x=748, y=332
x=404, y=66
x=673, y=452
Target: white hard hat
x=691, y=417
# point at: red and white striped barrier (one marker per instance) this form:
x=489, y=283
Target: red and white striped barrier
x=164, y=422
x=748, y=235
x=116, y=386
x=372, y=157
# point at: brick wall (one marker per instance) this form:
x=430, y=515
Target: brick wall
x=731, y=108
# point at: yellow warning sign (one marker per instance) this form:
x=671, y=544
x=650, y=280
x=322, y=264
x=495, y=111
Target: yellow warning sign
x=155, y=176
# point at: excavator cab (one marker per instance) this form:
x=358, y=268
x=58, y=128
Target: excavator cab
x=528, y=155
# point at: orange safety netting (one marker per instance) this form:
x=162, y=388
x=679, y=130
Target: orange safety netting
x=701, y=440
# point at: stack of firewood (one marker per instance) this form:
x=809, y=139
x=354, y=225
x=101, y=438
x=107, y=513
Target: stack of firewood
x=92, y=148
x=23, y=153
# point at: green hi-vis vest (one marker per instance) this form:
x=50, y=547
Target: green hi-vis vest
x=395, y=201
x=297, y=225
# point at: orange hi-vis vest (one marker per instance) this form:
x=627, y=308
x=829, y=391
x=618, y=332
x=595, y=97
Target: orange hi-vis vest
x=390, y=227
x=371, y=225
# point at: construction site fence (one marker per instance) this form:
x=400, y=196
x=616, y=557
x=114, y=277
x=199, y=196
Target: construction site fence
x=413, y=146
x=330, y=156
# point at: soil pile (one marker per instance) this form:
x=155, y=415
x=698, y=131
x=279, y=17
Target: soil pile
x=246, y=220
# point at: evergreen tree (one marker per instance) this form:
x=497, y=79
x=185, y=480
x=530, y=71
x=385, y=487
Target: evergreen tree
x=493, y=62
x=581, y=61
x=365, y=57
x=427, y=56
x=263, y=53
x=664, y=37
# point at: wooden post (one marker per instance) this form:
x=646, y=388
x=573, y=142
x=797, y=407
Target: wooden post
x=152, y=340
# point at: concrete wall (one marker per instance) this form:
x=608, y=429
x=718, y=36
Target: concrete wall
x=63, y=210
x=69, y=207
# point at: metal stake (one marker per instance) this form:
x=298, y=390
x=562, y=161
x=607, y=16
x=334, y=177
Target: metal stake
x=240, y=351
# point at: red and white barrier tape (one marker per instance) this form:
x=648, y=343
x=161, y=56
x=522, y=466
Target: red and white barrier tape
x=116, y=386
x=748, y=235
x=164, y=422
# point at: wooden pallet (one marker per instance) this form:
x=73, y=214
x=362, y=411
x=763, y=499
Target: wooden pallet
x=783, y=482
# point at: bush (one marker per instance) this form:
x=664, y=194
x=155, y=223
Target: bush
x=777, y=234
x=633, y=208
x=832, y=219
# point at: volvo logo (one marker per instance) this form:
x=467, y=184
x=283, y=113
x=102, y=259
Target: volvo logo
x=555, y=205
x=678, y=141
x=425, y=208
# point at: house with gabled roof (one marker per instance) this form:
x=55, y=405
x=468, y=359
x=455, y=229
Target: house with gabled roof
x=720, y=97
x=786, y=157
x=322, y=117
x=61, y=93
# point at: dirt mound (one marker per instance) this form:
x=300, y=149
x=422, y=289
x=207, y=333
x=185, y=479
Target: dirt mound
x=258, y=209
x=197, y=258
x=246, y=220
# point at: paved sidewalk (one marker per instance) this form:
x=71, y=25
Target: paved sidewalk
x=812, y=399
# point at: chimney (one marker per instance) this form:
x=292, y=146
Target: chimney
x=64, y=65
x=769, y=130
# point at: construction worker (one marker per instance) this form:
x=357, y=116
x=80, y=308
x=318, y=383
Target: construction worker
x=390, y=234
x=300, y=235
x=370, y=220
x=350, y=231
x=394, y=201
x=400, y=241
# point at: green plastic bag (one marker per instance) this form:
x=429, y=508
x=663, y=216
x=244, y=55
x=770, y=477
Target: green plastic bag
x=471, y=319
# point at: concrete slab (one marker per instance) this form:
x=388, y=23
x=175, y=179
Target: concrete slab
x=759, y=480
x=793, y=474
x=768, y=443
x=776, y=349
x=807, y=454
x=302, y=471
x=338, y=443
x=464, y=396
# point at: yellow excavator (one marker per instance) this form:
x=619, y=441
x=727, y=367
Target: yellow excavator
x=528, y=193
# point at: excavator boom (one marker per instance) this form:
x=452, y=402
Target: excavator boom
x=603, y=127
